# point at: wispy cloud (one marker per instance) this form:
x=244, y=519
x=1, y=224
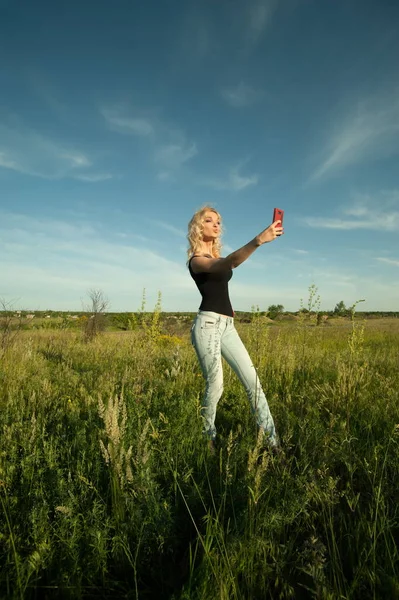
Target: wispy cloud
x=28, y=152
x=48, y=93
x=247, y=294
x=165, y=176
x=227, y=249
x=74, y=257
x=298, y=251
x=175, y=230
x=356, y=211
x=362, y=214
x=174, y=155
x=389, y=261
x=51, y=264
x=7, y=163
x=259, y=16
x=234, y=182
x=94, y=177
x=18, y=222
x=202, y=35
x=370, y=131
x=326, y=223
x=196, y=37
x=76, y=159
x=169, y=146
x=118, y=120
x=241, y=95
x=390, y=223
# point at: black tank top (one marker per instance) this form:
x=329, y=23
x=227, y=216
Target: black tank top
x=214, y=289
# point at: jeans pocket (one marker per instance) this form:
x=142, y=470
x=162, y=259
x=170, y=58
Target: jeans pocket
x=209, y=323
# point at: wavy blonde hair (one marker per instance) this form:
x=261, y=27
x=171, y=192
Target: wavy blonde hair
x=195, y=231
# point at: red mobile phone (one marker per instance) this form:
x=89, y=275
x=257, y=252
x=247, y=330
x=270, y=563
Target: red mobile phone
x=278, y=213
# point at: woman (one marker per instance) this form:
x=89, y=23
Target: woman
x=213, y=334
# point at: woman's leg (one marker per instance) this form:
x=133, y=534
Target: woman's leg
x=205, y=337
x=235, y=353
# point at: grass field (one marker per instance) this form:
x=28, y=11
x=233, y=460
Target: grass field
x=108, y=490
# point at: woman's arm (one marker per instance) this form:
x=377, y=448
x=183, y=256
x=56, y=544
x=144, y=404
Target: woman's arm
x=201, y=264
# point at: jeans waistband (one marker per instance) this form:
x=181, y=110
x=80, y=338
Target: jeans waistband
x=209, y=313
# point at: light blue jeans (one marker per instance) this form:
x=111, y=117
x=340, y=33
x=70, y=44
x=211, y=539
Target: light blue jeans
x=213, y=337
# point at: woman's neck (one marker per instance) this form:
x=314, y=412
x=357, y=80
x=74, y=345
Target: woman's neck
x=207, y=248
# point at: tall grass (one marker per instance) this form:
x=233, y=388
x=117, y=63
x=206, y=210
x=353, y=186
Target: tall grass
x=108, y=490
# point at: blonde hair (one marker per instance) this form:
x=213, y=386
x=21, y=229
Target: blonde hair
x=195, y=231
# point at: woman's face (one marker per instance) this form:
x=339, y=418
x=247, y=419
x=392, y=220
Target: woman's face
x=211, y=226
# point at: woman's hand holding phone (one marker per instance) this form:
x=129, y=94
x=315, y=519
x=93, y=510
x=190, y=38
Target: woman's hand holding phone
x=274, y=230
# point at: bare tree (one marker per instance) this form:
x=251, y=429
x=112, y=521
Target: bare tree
x=95, y=322
x=10, y=325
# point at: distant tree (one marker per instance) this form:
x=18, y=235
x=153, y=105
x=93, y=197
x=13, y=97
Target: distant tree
x=340, y=309
x=274, y=310
x=321, y=317
x=96, y=321
x=10, y=325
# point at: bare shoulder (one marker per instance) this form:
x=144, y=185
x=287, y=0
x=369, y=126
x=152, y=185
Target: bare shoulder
x=204, y=263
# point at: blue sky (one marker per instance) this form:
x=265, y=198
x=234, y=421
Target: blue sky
x=119, y=120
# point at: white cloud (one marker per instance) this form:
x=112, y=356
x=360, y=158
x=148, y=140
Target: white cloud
x=227, y=249
x=369, y=132
x=47, y=92
x=202, y=35
x=28, y=152
x=331, y=223
x=7, y=163
x=49, y=263
x=364, y=214
x=234, y=182
x=196, y=39
x=94, y=177
x=172, y=151
x=76, y=159
x=36, y=226
x=356, y=211
x=260, y=13
x=119, y=121
x=169, y=227
x=390, y=223
x=301, y=251
x=241, y=95
x=173, y=156
x=168, y=145
x=389, y=261
x=245, y=295
x=165, y=176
